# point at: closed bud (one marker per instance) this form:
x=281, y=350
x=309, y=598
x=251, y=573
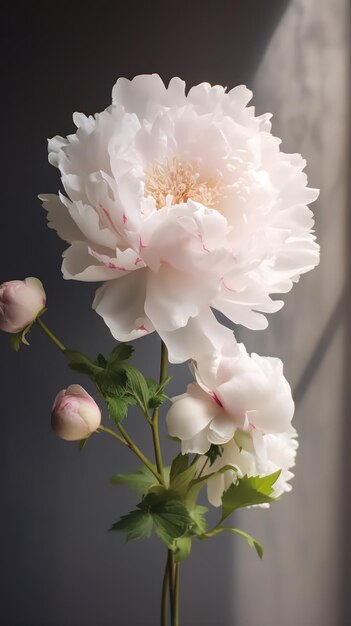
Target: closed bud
x=75, y=414
x=20, y=303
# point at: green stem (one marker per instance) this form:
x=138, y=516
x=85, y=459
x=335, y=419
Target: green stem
x=154, y=422
x=108, y=431
x=164, y=603
x=139, y=453
x=203, y=467
x=176, y=595
x=171, y=568
x=51, y=335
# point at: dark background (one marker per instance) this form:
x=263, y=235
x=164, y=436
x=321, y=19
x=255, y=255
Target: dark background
x=59, y=566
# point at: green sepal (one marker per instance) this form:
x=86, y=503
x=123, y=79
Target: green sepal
x=18, y=338
x=82, y=443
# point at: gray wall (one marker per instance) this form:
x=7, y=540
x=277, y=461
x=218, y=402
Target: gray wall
x=304, y=80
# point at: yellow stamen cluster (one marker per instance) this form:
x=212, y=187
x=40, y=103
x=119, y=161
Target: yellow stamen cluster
x=182, y=182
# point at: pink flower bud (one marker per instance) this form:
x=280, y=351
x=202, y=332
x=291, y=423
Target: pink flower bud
x=75, y=414
x=20, y=303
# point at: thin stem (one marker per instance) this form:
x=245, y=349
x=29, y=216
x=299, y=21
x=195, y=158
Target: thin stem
x=176, y=595
x=51, y=335
x=108, y=431
x=164, y=603
x=203, y=467
x=139, y=453
x=154, y=422
x=170, y=563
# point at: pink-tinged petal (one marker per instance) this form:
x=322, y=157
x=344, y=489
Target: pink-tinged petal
x=88, y=222
x=200, y=336
x=59, y=218
x=78, y=390
x=189, y=415
x=121, y=305
x=81, y=263
x=221, y=430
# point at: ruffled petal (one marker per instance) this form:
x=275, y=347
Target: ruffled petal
x=59, y=218
x=80, y=262
x=201, y=335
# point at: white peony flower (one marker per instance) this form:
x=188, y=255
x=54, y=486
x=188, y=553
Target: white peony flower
x=278, y=452
x=234, y=395
x=178, y=203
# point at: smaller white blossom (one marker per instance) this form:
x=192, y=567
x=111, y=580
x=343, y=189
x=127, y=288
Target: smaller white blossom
x=234, y=395
x=277, y=453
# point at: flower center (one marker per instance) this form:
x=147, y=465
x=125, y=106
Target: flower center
x=180, y=181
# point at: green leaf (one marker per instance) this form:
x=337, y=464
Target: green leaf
x=138, y=385
x=122, y=352
x=214, y=452
x=137, y=524
x=196, y=485
x=156, y=395
x=181, y=474
x=118, y=408
x=253, y=543
x=181, y=548
x=141, y=480
x=79, y=362
x=101, y=361
x=248, y=492
x=171, y=519
x=179, y=465
x=110, y=382
x=197, y=514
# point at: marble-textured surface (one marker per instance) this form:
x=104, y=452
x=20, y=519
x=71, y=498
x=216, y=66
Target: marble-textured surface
x=303, y=80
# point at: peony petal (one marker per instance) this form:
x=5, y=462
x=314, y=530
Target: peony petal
x=135, y=95
x=199, y=444
x=189, y=415
x=221, y=430
x=121, y=305
x=201, y=335
x=81, y=263
x=59, y=218
x=215, y=488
